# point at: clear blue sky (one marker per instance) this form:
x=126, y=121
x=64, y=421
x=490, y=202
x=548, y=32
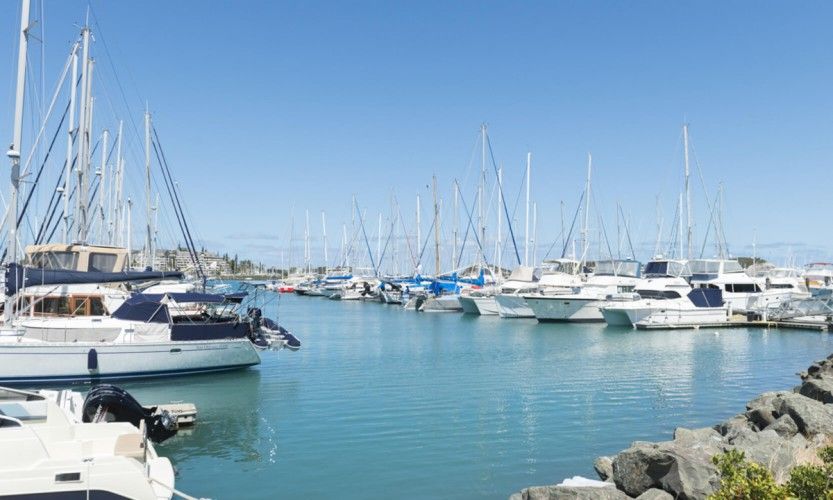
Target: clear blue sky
x=264, y=106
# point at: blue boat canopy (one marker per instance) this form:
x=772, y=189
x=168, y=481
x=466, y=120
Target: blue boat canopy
x=141, y=307
x=706, y=297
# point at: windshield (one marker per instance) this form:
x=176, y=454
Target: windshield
x=617, y=268
x=667, y=268
x=55, y=260
x=705, y=266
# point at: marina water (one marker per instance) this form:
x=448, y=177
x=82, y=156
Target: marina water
x=381, y=402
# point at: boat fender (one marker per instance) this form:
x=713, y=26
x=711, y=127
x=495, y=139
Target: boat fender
x=92, y=360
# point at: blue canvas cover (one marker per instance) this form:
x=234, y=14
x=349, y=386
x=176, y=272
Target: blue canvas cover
x=706, y=297
x=140, y=308
x=15, y=274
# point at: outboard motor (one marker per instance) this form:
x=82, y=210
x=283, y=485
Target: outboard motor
x=108, y=403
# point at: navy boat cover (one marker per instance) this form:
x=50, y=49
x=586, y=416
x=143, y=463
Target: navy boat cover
x=706, y=297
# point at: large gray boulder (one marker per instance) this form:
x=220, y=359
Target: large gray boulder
x=682, y=467
x=785, y=426
x=735, y=426
x=811, y=417
x=773, y=451
x=655, y=494
x=640, y=468
x=569, y=493
x=820, y=389
x=820, y=369
x=604, y=468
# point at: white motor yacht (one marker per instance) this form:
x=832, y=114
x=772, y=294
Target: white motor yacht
x=662, y=279
x=583, y=304
x=701, y=307
x=557, y=276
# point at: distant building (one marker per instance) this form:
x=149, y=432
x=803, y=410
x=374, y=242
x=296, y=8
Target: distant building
x=180, y=260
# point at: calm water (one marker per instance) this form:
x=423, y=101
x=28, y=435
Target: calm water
x=383, y=402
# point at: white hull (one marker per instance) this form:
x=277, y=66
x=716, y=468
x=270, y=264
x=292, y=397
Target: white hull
x=513, y=306
x=34, y=361
x=681, y=317
x=443, y=303
x=486, y=306
x=627, y=314
x=565, y=308
x=468, y=305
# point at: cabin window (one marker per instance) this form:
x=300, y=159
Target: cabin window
x=86, y=306
x=55, y=260
x=742, y=287
x=102, y=262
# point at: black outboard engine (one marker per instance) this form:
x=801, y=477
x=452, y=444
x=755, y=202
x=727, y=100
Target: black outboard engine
x=108, y=403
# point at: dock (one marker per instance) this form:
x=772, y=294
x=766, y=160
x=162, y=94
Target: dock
x=742, y=322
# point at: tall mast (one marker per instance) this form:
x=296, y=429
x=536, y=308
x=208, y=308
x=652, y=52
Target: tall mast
x=680, y=227
x=116, y=206
x=149, y=240
x=379, y=245
x=687, y=191
x=70, y=130
x=526, y=232
x=482, y=188
x=102, y=183
x=456, y=223
x=324, y=235
x=436, y=229
x=129, y=232
x=499, y=242
x=306, y=242
x=15, y=148
x=418, y=235
x=83, y=135
x=587, y=209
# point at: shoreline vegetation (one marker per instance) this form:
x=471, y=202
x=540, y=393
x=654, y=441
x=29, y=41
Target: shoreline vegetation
x=779, y=433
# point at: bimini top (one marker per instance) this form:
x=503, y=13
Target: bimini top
x=153, y=307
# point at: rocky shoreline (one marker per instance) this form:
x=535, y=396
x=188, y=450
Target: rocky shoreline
x=778, y=430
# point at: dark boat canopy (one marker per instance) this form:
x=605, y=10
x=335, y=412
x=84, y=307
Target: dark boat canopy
x=141, y=307
x=153, y=308
x=18, y=277
x=706, y=297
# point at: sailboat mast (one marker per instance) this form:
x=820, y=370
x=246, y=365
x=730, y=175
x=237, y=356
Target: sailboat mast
x=129, y=232
x=324, y=236
x=116, y=208
x=436, y=229
x=482, y=188
x=499, y=242
x=526, y=231
x=418, y=235
x=587, y=209
x=456, y=223
x=82, y=134
x=70, y=130
x=149, y=206
x=102, y=183
x=14, y=150
x=687, y=191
